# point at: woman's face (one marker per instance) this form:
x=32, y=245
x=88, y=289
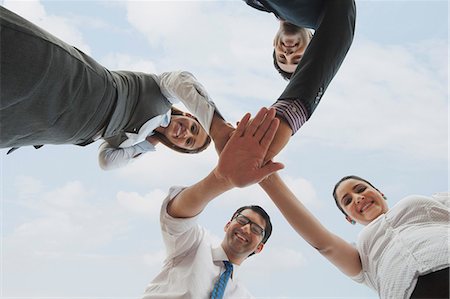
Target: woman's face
x=360, y=201
x=185, y=132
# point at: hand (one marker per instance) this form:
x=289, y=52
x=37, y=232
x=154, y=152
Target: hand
x=241, y=162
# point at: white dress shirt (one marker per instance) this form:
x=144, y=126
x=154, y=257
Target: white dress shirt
x=179, y=86
x=410, y=240
x=193, y=263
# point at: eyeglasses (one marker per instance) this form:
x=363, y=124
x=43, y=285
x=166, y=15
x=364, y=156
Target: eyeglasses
x=254, y=228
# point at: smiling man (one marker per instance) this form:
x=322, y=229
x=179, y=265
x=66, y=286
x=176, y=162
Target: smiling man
x=309, y=62
x=194, y=266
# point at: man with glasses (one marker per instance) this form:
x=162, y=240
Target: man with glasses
x=308, y=62
x=194, y=266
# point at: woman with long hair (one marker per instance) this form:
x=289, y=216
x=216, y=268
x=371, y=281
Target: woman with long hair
x=52, y=93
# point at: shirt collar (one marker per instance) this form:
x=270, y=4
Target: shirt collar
x=219, y=255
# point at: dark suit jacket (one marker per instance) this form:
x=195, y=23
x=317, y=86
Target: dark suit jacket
x=334, y=25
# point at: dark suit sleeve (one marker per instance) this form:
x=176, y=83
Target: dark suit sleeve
x=324, y=55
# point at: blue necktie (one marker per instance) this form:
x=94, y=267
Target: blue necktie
x=219, y=287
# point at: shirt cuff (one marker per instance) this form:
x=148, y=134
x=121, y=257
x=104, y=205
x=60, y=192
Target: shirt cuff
x=293, y=111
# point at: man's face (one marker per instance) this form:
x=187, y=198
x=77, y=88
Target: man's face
x=242, y=240
x=290, y=44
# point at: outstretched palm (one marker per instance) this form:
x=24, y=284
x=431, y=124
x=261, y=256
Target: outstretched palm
x=242, y=160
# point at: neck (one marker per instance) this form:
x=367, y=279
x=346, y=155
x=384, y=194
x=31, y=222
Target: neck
x=236, y=259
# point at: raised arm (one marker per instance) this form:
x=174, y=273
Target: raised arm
x=240, y=164
x=315, y=71
x=339, y=252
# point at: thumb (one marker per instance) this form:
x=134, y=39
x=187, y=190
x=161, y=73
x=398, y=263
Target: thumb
x=270, y=168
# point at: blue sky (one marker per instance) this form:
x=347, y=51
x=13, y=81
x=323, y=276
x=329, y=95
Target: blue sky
x=69, y=229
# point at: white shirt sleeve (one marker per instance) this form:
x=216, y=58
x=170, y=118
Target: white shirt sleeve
x=111, y=157
x=179, y=234
x=183, y=86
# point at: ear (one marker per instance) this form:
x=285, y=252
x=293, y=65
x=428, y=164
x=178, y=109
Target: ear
x=259, y=248
x=226, y=226
x=350, y=220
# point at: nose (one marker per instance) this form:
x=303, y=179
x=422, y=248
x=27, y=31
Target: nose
x=288, y=50
x=359, y=198
x=246, y=228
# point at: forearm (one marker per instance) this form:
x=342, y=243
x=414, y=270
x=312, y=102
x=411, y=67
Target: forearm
x=192, y=200
x=324, y=55
x=339, y=252
x=110, y=158
x=301, y=220
x=282, y=137
x=183, y=86
x=220, y=132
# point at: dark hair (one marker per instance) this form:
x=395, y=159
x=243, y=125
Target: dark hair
x=349, y=177
x=164, y=140
x=260, y=211
x=286, y=75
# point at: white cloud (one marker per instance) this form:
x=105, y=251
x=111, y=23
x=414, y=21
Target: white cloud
x=66, y=219
x=386, y=98
x=149, y=204
x=165, y=168
x=277, y=259
x=231, y=56
x=60, y=27
x=27, y=187
x=304, y=191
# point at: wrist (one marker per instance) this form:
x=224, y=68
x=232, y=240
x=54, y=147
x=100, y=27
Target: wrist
x=216, y=124
x=221, y=182
x=269, y=180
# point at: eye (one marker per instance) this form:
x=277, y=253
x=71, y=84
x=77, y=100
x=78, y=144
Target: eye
x=194, y=129
x=281, y=58
x=346, y=200
x=189, y=142
x=256, y=229
x=360, y=188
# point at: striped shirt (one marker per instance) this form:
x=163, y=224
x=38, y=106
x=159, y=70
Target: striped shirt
x=294, y=112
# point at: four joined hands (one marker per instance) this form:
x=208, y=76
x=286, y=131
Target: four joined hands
x=241, y=161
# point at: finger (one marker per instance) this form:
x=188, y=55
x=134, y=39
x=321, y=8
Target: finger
x=240, y=129
x=255, y=122
x=265, y=124
x=270, y=168
x=270, y=133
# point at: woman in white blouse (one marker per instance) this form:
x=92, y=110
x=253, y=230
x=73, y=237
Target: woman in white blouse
x=402, y=252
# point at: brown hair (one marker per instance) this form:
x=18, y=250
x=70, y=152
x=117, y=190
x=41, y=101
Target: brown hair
x=261, y=212
x=307, y=36
x=164, y=140
x=349, y=177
